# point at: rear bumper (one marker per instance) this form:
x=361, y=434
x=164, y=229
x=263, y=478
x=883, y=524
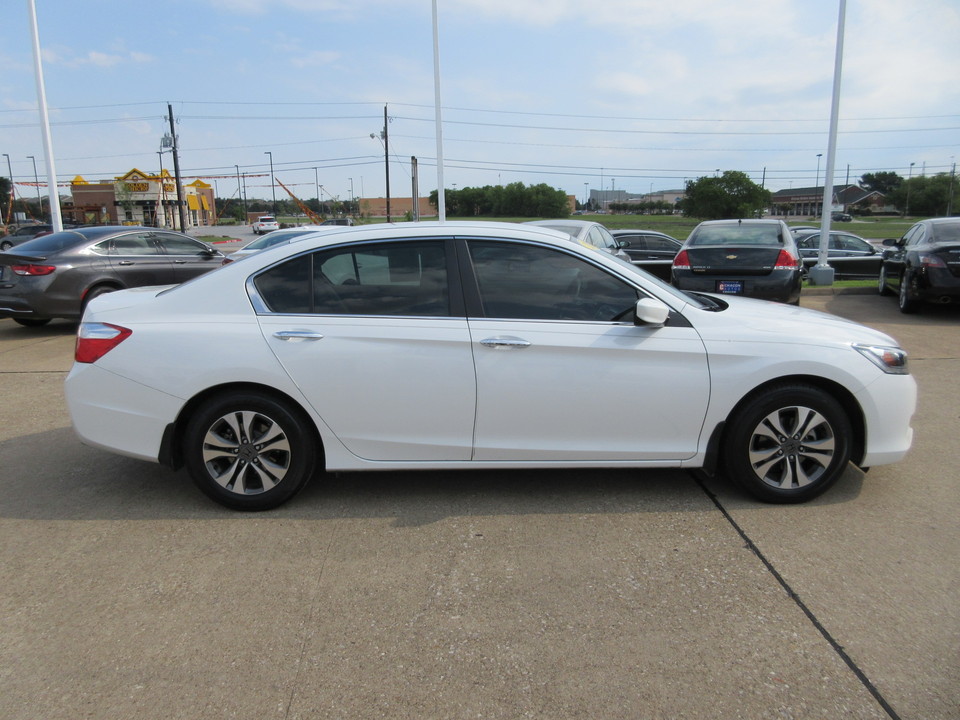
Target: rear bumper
x=116, y=414
x=783, y=286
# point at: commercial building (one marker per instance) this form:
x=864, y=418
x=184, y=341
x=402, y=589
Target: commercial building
x=139, y=198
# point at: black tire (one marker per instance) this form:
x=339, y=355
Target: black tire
x=6, y=245
x=96, y=292
x=907, y=302
x=249, y=451
x=882, y=286
x=31, y=322
x=788, y=444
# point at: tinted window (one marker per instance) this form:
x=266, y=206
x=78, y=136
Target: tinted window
x=737, y=235
x=946, y=232
x=535, y=283
x=657, y=243
x=53, y=243
x=133, y=244
x=383, y=279
x=176, y=245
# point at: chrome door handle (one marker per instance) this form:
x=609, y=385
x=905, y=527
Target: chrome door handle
x=297, y=335
x=505, y=342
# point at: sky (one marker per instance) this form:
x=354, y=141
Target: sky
x=634, y=95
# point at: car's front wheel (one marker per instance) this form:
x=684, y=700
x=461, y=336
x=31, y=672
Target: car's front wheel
x=788, y=444
x=6, y=245
x=249, y=451
x=906, y=300
x=882, y=287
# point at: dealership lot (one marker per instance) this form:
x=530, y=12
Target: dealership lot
x=601, y=594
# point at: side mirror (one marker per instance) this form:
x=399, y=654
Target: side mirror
x=891, y=242
x=651, y=312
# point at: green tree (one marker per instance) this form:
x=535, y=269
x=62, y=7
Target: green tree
x=927, y=195
x=884, y=182
x=732, y=195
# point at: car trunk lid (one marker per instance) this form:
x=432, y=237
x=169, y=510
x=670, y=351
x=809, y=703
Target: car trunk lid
x=727, y=260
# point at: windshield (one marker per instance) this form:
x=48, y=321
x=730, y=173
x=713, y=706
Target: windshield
x=51, y=243
x=762, y=235
x=946, y=232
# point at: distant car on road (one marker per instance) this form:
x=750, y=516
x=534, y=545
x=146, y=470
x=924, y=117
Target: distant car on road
x=923, y=265
x=653, y=251
x=265, y=224
x=841, y=217
x=22, y=234
x=756, y=258
x=849, y=255
x=56, y=275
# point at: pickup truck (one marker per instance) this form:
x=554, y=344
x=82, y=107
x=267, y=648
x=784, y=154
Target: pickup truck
x=265, y=224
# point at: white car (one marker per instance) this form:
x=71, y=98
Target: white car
x=265, y=224
x=274, y=238
x=476, y=345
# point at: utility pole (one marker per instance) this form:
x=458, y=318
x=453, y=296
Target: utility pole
x=415, y=181
x=176, y=169
x=386, y=158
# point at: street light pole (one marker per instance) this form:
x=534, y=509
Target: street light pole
x=273, y=184
x=906, y=210
x=816, y=184
x=36, y=181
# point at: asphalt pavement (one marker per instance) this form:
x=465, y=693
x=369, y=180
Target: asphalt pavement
x=125, y=593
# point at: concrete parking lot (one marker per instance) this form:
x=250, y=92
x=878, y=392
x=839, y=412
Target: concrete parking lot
x=124, y=593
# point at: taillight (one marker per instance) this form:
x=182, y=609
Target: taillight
x=32, y=269
x=681, y=261
x=927, y=260
x=785, y=261
x=94, y=340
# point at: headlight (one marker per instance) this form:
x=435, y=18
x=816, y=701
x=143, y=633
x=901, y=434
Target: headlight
x=891, y=360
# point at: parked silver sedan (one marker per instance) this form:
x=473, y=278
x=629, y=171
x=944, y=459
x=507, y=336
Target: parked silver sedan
x=55, y=276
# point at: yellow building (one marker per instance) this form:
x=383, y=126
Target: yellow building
x=139, y=198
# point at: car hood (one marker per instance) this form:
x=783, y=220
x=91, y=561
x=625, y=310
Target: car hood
x=765, y=321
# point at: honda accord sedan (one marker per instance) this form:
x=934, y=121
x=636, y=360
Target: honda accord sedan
x=476, y=345
x=756, y=258
x=55, y=276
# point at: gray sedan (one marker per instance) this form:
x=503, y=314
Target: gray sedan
x=55, y=276
x=849, y=255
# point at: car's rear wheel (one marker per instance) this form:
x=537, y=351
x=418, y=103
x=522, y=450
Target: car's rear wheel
x=96, y=292
x=32, y=322
x=906, y=300
x=882, y=282
x=788, y=444
x=249, y=451
x=6, y=245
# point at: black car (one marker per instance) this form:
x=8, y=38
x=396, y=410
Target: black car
x=849, y=255
x=841, y=217
x=756, y=258
x=923, y=265
x=56, y=275
x=653, y=251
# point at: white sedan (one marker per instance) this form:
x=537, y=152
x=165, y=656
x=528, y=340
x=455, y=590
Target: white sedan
x=476, y=345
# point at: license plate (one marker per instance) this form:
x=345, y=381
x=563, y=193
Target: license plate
x=730, y=287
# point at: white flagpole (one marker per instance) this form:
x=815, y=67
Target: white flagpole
x=441, y=199
x=53, y=192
